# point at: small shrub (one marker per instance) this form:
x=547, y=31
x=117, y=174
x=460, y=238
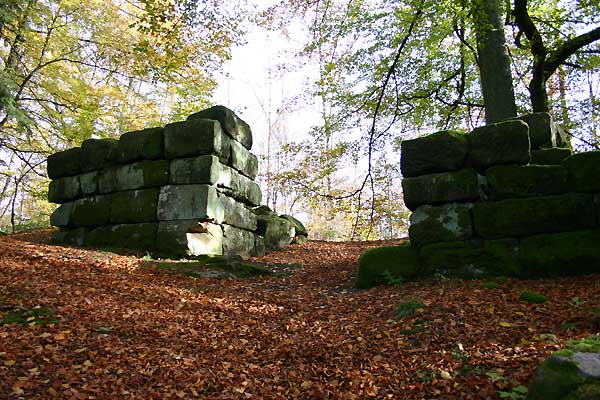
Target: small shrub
x=532, y=297
x=408, y=308
x=490, y=285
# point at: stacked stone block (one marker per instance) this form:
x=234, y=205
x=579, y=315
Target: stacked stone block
x=184, y=189
x=496, y=201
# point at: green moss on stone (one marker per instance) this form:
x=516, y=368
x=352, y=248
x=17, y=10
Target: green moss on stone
x=146, y=144
x=64, y=163
x=231, y=124
x=529, y=216
x=472, y=259
x=192, y=138
x=299, y=226
x=399, y=262
x=501, y=143
x=447, y=223
x=584, y=169
x=202, y=169
x=134, y=206
x=560, y=254
x=553, y=156
x=589, y=391
x=91, y=211
x=510, y=181
x=532, y=297
x=98, y=153
x=439, y=152
x=440, y=188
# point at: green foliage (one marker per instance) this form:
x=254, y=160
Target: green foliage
x=518, y=392
x=408, y=307
x=38, y=315
x=392, y=280
x=532, y=297
x=490, y=285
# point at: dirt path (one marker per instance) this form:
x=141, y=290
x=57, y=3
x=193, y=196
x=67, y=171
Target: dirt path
x=121, y=331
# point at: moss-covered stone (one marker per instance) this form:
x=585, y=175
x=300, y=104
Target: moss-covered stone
x=572, y=373
x=243, y=161
x=560, y=254
x=440, y=152
x=64, y=163
x=147, y=144
x=62, y=215
x=472, y=259
x=140, y=236
x=501, y=143
x=134, y=206
x=542, y=130
x=233, y=125
x=584, y=170
x=238, y=186
x=299, y=226
x=553, y=156
x=98, y=153
x=89, y=183
x=64, y=189
x=447, y=223
x=278, y=232
x=189, y=202
x=440, y=188
x=400, y=262
x=530, y=216
x=237, y=214
x=91, y=211
x=144, y=174
x=259, y=246
x=202, y=169
x=237, y=241
x=511, y=181
x=188, y=238
x=193, y=138
x=70, y=237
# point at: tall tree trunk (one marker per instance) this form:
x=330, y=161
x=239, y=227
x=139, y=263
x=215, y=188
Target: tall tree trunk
x=494, y=62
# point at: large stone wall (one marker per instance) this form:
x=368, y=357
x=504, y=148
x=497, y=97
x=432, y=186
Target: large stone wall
x=503, y=200
x=184, y=189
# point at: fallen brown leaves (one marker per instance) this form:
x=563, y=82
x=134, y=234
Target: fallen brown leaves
x=127, y=332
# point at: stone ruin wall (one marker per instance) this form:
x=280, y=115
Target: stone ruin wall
x=185, y=189
x=504, y=199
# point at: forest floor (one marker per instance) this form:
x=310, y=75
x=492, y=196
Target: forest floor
x=100, y=325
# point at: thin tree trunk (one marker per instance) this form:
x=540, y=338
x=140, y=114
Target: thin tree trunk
x=494, y=62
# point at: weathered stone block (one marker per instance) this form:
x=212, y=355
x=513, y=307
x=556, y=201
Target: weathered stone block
x=243, y=161
x=501, y=143
x=237, y=241
x=64, y=163
x=89, y=183
x=472, y=259
x=298, y=226
x=239, y=187
x=560, y=254
x=572, y=373
x=134, y=206
x=91, y=211
x=189, y=238
x=553, y=156
x=64, y=189
x=441, y=188
x=193, y=138
x=530, y=216
x=62, y=215
x=584, y=171
x=278, y=232
x=542, y=130
x=510, y=181
x=234, y=126
x=189, y=202
x=141, y=236
x=98, y=153
x=70, y=237
x=445, y=223
x=146, y=144
x=202, y=169
x=400, y=262
x=143, y=174
x=259, y=246
x=440, y=152
x=237, y=214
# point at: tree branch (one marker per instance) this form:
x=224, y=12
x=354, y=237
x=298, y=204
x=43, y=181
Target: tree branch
x=567, y=49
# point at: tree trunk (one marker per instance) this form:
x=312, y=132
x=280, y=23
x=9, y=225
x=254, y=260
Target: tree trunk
x=494, y=62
